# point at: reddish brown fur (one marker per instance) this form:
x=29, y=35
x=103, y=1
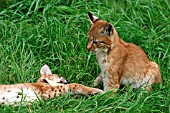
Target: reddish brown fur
x=120, y=62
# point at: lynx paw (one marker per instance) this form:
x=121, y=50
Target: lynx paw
x=98, y=91
x=95, y=83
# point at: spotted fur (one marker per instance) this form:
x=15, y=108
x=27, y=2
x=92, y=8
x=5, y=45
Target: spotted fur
x=48, y=86
x=120, y=62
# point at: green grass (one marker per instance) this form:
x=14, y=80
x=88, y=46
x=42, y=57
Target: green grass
x=34, y=33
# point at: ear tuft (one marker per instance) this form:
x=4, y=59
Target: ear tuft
x=45, y=70
x=92, y=17
x=107, y=30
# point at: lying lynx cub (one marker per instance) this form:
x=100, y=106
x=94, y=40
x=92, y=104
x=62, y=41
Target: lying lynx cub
x=120, y=62
x=47, y=87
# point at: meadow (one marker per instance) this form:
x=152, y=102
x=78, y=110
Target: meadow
x=54, y=32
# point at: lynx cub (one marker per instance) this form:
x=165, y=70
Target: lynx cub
x=47, y=87
x=120, y=62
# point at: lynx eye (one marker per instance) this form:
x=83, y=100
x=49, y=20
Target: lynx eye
x=94, y=42
x=45, y=81
x=98, y=41
x=102, y=42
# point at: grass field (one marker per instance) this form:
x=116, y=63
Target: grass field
x=53, y=32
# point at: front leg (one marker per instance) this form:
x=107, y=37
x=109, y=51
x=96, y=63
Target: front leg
x=98, y=80
x=111, y=82
x=81, y=89
x=73, y=88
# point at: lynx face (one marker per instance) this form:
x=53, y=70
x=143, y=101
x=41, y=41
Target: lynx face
x=52, y=79
x=99, y=36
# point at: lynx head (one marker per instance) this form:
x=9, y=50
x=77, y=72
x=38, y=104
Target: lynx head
x=101, y=35
x=52, y=79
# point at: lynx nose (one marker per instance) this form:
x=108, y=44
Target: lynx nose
x=67, y=82
x=89, y=47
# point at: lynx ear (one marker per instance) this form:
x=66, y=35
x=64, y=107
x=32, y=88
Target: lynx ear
x=107, y=29
x=92, y=17
x=45, y=70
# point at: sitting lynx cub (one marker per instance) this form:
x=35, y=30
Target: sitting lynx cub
x=48, y=86
x=120, y=62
